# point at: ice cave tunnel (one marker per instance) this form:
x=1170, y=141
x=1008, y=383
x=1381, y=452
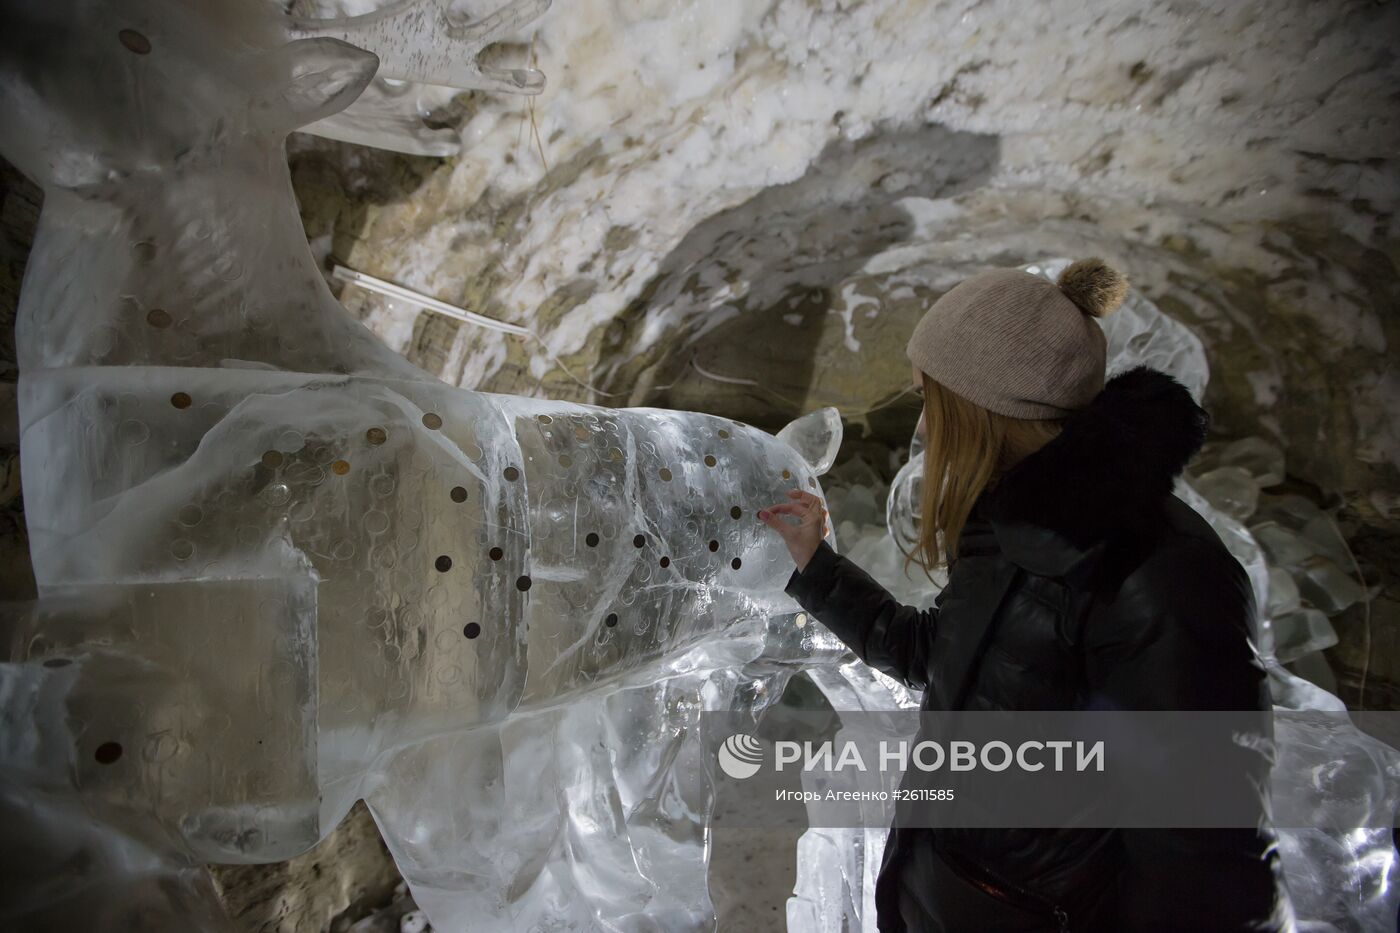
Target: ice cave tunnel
x=390, y=387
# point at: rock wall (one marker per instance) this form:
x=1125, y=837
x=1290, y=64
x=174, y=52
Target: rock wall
x=811, y=174
x=744, y=207
x=327, y=889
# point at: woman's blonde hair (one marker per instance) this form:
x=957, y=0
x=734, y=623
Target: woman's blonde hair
x=967, y=448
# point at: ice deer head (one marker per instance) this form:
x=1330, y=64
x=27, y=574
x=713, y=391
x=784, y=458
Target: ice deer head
x=280, y=567
x=94, y=93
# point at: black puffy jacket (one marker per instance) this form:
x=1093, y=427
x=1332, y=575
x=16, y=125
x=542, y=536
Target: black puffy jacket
x=1081, y=581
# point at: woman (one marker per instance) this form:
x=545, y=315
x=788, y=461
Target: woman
x=1076, y=580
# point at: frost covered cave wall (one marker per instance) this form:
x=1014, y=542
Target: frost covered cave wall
x=708, y=195
x=742, y=207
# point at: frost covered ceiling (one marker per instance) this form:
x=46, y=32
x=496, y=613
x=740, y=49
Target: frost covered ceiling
x=717, y=193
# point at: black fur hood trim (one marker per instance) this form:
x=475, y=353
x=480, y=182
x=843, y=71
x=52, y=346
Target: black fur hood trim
x=1113, y=464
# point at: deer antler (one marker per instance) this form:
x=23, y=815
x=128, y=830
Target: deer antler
x=431, y=42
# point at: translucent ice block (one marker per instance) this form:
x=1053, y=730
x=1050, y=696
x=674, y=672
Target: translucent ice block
x=1261, y=459
x=1283, y=592
x=1327, y=586
x=190, y=702
x=1230, y=489
x=281, y=569
x=1301, y=632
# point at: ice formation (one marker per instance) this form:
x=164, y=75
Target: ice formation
x=281, y=569
x=1340, y=877
x=428, y=53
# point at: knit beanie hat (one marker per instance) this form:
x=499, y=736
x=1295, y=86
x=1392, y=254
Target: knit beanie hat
x=1019, y=344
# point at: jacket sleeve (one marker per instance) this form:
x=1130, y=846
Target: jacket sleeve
x=887, y=635
x=1174, y=637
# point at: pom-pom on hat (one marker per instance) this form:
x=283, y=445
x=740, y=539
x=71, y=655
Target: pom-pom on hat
x=1019, y=344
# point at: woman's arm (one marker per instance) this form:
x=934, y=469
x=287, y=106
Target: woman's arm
x=883, y=633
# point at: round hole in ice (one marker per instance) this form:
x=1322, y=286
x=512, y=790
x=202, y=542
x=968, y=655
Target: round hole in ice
x=511, y=473
x=522, y=583
x=458, y=494
x=639, y=541
x=471, y=630
x=108, y=752
x=432, y=421
x=443, y=563
x=736, y=563
x=376, y=436
x=135, y=41
x=611, y=620
x=496, y=553
x=181, y=400
x=591, y=539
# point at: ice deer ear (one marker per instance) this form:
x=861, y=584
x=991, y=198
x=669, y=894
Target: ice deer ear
x=310, y=79
x=816, y=436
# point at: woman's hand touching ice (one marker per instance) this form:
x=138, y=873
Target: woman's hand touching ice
x=803, y=536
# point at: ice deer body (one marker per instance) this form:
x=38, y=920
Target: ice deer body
x=282, y=569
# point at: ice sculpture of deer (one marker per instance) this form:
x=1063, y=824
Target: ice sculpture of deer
x=281, y=569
